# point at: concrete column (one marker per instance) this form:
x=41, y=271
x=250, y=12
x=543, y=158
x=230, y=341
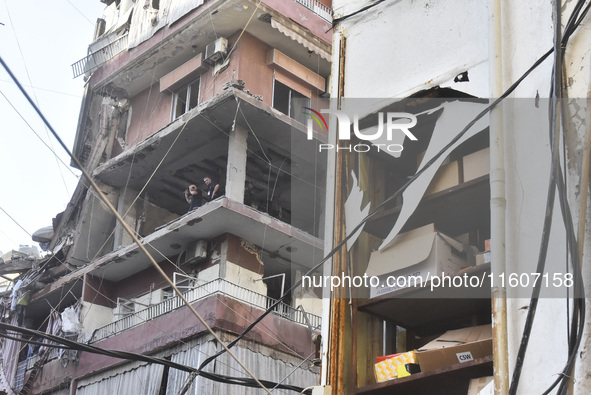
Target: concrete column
x=122, y=238
x=236, y=170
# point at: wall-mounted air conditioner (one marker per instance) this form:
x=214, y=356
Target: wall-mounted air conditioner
x=195, y=253
x=216, y=50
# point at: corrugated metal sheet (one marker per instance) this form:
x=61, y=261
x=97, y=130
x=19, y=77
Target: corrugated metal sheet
x=264, y=363
x=143, y=379
x=146, y=379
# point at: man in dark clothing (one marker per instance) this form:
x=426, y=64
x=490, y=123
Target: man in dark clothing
x=194, y=197
x=213, y=189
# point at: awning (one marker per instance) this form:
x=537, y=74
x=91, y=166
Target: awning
x=292, y=33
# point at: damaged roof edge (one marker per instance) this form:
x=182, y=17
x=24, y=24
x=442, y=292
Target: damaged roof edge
x=79, y=138
x=78, y=195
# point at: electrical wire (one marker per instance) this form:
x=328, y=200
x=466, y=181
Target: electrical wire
x=73, y=345
x=36, y=134
x=428, y=164
x=557, y=182
x=34, y=93
x=62, y=298
x=80, y=12
x=336, y=21
x=44, y=89
x=15, y=221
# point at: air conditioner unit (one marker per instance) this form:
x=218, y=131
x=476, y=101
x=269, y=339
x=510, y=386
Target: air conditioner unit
x=216, y=50
x=196, y=252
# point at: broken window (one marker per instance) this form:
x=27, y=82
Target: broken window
x=183, y=282
x=185, y=99
x=125, y=308
x=290, y=102
x=154, y=4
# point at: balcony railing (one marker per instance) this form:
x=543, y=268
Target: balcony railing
x=100, y=56
x=318, y=8
x=218, y=286
x=54, y=353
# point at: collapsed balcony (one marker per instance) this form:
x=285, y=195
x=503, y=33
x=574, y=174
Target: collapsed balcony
x=261, y=157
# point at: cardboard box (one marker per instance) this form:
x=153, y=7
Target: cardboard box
x=384, y=357
x=476, y=164
x=482, y=258
x=387, y=369
x=457, y=346
x=416, y=256
x=447, y=176
x=477, y=385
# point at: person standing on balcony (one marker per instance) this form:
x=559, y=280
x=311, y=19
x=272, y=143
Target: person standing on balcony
x=194, y=197
x=213, y=189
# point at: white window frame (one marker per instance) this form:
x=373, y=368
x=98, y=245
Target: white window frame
x=184, y=282
x=125, y=307
x=290, y=110
x=187, y=97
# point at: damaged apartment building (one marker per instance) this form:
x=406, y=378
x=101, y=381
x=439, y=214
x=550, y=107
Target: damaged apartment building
x=177, y=91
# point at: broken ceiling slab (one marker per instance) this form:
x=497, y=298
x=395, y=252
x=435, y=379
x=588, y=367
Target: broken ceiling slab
x=206, y=222
x=43, y=235
x=16, y=262
x=190, y=147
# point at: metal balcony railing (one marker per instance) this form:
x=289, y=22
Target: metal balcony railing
x=218, y=286
x=318, y=8
x=99, y=57
x=54, y=353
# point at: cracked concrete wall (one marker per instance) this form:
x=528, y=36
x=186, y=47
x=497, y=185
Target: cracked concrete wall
x=94, y=227
x=129, y=214
x=153, y=216
x=93, y=316
x=401, y=47
x=306, y=297
x=236, y=261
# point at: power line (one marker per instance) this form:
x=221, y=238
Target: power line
x=45, y=89
x=31, y=83
x=126, y=355
x=36, y=134
x=15, y=221
x=80, y=12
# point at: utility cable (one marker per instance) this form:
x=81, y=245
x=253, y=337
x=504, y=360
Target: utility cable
x=31, y=83
x=73, y=345
x=336, y=21
x=15, y=221
x=44, y=89
x=556, y=180
x=36, y=134
x=126, y=227
x=80, y=12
